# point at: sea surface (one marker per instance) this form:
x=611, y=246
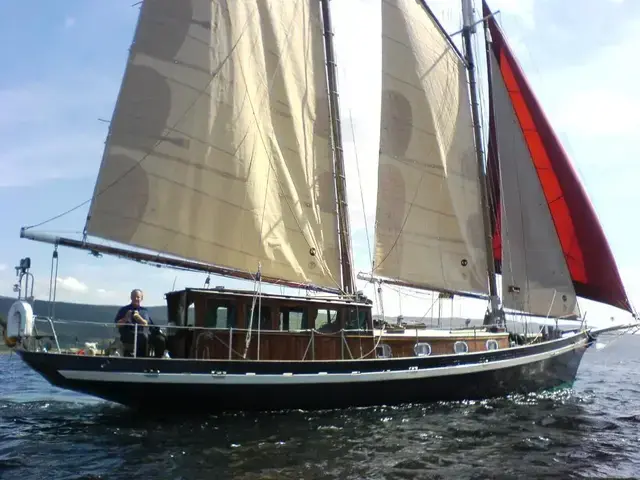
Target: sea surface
x=589, y=431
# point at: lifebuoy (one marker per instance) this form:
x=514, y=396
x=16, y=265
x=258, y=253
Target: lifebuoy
x=19, y=322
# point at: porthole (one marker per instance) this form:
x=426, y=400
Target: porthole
x=383, y=351
x=422, y=349
x=492, y=345
x=460, y=347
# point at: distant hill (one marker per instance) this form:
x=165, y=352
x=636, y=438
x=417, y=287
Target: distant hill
x=69, y=332
x=82, y=311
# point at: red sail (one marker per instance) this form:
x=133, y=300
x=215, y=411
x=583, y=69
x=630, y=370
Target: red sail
x=586, y=250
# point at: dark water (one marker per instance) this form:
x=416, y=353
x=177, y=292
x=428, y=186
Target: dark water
x=592, y=430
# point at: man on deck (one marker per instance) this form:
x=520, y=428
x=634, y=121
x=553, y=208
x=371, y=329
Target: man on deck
x=135, y=313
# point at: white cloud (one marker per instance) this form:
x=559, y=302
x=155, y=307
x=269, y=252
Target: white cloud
x=69, y=22
x=3, y=267
x=71, y=284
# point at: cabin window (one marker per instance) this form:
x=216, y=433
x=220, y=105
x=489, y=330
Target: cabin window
x=327, y=320
x=191, y=315
x=357, y=319
x=220, y=315
x=292, y=319
x=492, y=345
x=384, y=351
x=422, y=349
x=460, y=347
x=262, y=315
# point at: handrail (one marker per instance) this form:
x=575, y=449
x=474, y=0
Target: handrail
x=190, y=327
x=419, y=326
x=207, y=331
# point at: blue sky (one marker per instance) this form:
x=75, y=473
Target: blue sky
x=62, y=70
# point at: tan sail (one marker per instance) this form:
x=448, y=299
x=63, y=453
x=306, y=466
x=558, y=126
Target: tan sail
x=219, y=146
x=429, y=228
x=535, y=276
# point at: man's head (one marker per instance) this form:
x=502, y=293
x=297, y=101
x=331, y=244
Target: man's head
x=136, y=297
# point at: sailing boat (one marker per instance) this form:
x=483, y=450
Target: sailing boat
x=224, y=156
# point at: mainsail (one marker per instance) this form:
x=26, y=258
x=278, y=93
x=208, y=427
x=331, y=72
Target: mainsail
x=547, y=239
x=429, y=227
x=219, y=147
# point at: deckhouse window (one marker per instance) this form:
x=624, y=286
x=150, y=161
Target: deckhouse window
x=262, y=315
x=327, y=320
x=422, y=349
x=460, y=347
x=383, y=350
x=292, y=319
x=220, y=315
x=356, y=320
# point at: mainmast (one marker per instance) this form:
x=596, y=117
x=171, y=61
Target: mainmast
x=467, y=31
x=336, y=134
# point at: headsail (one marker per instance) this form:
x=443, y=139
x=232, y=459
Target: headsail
x=429, y=228
x=551, y=239
x=219, y=146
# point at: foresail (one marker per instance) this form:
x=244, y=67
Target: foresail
x=429, y=229
x=535, y=277
x=551, y=239
x=219, y=147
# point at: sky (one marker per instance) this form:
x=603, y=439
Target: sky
x=62, y=71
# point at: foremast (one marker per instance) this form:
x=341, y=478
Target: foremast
x=338, y=154
x=469, y=28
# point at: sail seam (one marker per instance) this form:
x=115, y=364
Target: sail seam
x=270, y=157
x=163, y=137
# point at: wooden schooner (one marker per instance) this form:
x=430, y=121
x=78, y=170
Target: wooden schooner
x=224, y=156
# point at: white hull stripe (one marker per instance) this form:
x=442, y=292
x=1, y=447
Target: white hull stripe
x=221, y=378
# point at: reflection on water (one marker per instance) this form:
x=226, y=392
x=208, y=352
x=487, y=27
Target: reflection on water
x=589, y=431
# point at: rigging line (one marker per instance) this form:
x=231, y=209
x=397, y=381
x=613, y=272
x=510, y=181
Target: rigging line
x=160, y=140
x=364, y=214
x=264, y=144
x=619, y=335
x=415, y=295
x=430, y=309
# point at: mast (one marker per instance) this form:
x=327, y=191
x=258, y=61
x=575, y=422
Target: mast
x=467, y=31
x=336, y=134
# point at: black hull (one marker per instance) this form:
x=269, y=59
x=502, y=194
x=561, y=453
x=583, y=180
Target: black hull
x=213, y=385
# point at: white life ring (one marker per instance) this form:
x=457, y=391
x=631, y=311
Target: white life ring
x=19, y=322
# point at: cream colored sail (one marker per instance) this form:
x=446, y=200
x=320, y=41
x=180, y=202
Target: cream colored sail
x=535, y=276
x=429, y=229
x=219, y=146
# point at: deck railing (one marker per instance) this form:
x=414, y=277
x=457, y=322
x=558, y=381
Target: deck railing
x=109, y=338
